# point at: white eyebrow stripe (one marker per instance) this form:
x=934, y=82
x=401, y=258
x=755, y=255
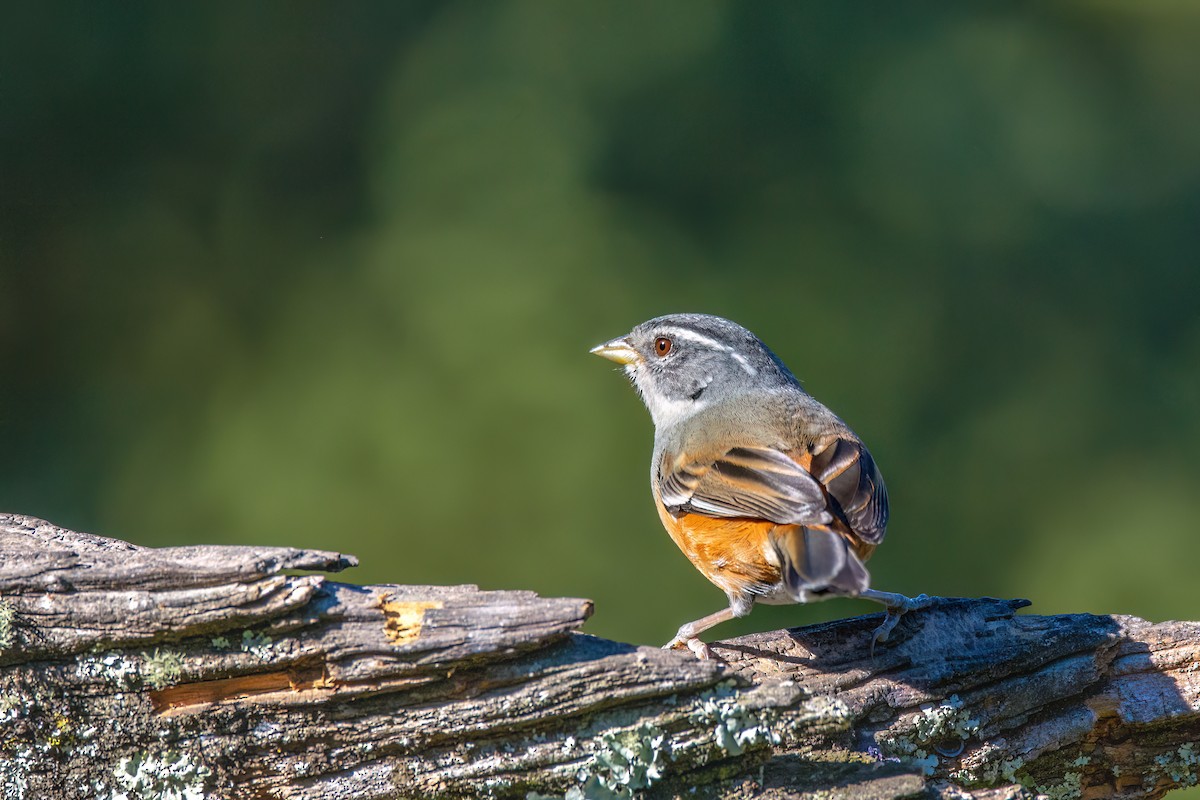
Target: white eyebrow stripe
x=699, y=338
x=692, y=336
x=741, y=360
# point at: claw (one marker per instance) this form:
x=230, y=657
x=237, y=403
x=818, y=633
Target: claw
x=885, y=629
x=689, y=635
x=897, y=606
x=699, y=648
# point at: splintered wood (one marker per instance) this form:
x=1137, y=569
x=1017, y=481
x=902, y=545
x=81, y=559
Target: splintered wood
x=402, y=621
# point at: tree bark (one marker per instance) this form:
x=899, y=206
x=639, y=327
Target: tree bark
x=196, y=672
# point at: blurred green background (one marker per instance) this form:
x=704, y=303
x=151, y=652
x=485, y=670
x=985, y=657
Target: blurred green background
x=327, y=274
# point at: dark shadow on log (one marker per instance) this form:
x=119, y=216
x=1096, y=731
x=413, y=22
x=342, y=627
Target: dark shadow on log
x=212, y=672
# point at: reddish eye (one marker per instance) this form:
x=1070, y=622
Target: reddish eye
x=662, y=346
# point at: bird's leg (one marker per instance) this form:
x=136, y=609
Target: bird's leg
x=689, y=634
x=896, y=605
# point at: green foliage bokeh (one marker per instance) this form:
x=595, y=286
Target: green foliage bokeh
x=327, y=274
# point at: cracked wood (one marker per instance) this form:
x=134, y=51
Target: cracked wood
x=210, y=667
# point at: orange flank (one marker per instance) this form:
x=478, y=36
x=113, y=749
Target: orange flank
x=729, y=552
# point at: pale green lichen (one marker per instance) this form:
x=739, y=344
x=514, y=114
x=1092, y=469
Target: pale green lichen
x=1009, y=769
x=735, y=727
x=258, y=644
x=162, y=668
x=8, y=624
x=253, y=642
x=1178, y=766
x=941, y=728
x=1070, y=788
x=171, y=776
x=986, y=766
x=155, y=670
x=946, y=721
x=625, y=763
x=114, y=668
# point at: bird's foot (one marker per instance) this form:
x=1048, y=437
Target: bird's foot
x=693, y=643
x=896, y=606
x=689, y=635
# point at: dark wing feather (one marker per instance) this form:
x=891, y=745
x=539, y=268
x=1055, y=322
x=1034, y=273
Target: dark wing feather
x=817, y=561
x=848, y=473
x=757, y=482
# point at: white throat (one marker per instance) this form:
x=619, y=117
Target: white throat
x=665, y=411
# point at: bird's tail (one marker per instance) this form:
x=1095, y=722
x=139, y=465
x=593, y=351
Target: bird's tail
x=818, y=562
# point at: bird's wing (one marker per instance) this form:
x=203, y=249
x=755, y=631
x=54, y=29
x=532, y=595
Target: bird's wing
x=849, y=475
x=757, y=482
x=837, y=479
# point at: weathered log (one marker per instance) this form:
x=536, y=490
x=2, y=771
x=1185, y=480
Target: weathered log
x=189, y=672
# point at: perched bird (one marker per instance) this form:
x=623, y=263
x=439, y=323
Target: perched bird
x=766, y=491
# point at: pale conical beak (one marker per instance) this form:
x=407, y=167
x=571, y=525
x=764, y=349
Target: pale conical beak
x=618, y=350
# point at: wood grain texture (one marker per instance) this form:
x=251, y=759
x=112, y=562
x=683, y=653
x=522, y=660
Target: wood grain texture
x=130, y=672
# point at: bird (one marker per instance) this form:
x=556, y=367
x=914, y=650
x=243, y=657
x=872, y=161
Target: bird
x=769, y=494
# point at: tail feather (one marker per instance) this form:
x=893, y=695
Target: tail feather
x=817, y=562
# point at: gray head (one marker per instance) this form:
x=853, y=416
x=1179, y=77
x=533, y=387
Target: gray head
x=682, y=363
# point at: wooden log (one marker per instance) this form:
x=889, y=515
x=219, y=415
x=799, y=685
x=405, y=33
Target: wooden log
x=195, y=672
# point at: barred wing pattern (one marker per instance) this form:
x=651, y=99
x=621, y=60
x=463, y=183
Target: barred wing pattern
x=836, y=480
x=757, y=482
